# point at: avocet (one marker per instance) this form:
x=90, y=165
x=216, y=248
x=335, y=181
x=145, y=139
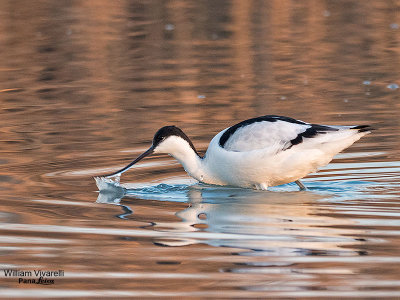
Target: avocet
x=256, y=153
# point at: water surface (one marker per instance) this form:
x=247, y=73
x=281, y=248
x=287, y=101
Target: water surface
x=84, y=86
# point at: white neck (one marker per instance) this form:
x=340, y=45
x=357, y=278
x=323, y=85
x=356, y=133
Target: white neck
x=184, y=154
x=191, y=162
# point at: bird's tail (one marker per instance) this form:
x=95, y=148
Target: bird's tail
x=363, y=128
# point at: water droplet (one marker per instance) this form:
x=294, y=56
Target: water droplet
x=201, y=177
x=201, y=96
x=394, y=26
x=202, y=216
x=169, y=27
x=346, y=100
x=393, y=86
x=366, y=82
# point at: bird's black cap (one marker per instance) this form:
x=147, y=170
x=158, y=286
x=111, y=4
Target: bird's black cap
x=167, y=131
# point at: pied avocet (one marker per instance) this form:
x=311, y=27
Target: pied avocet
x=257, y=153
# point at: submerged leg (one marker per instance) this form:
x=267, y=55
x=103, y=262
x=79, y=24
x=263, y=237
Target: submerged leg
x=301, y=186
x=261, y=186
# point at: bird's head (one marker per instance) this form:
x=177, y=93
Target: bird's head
x=168, y=139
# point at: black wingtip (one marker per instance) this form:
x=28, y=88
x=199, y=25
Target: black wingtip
x=363, y=128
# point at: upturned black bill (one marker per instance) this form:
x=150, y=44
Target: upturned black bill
x=140, y=157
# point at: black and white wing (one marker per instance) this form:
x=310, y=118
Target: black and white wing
x=278, y=132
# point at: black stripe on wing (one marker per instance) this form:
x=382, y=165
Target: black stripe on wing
x=310, y=132
x=268, y=118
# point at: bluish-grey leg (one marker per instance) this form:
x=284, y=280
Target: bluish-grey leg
x=301, y=186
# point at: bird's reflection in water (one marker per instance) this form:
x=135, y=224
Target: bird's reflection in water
x=111, y=192
x=265, y=223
